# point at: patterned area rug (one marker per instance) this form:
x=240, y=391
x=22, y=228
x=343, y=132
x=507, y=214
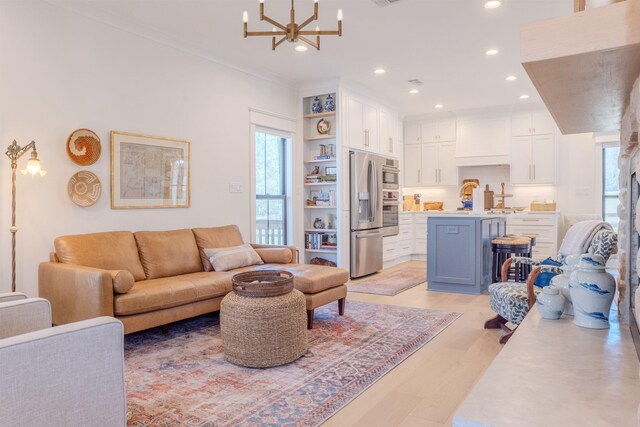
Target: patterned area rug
x=391, y=282
x=181, y=378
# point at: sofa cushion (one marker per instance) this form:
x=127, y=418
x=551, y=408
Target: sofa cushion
x=275, y=255
x=168, y=253
x=311, y=279
x=122, y=281
x=113, y=250
x=216, y=237
x=225, y=259
x=166, y=292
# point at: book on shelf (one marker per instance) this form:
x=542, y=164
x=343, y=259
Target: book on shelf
x=324, y=157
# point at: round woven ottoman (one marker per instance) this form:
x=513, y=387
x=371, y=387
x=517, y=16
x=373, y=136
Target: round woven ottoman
x=260, y=332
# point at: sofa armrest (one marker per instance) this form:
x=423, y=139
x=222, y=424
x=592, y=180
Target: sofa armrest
x=75, y=292
x=67, y=375
x=12, y=296
x=23, y=316
x=294, y=251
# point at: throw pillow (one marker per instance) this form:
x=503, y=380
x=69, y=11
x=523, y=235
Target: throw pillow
x=275, y=255
x=225, y=259
x=544, y=278
x=123, y=281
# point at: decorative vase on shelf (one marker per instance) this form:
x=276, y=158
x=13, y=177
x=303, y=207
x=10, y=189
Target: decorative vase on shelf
x=329, y=104
x=561, y=281
x=550, y=303
x=592, y=290
x=316, y=106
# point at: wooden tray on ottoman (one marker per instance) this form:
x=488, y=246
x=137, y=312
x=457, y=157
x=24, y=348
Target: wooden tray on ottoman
x=263, y=284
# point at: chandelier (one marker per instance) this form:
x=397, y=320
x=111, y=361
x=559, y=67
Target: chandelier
x=292, y=32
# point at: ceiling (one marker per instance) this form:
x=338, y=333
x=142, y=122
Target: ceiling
x=440, y=42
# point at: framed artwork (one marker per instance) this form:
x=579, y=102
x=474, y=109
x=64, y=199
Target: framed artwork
x=149, y=172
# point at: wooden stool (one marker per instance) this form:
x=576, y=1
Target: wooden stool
x=504, y=248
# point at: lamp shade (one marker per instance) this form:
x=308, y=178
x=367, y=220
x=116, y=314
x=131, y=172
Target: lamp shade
x=33, y=168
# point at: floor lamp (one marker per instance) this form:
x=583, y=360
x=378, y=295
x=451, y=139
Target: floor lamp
x=14, y=152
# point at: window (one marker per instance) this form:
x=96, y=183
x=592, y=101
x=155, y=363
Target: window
x=610, y=186
x=271, y=193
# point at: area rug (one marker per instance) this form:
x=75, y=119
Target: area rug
x=390, y=282
x=182, y=379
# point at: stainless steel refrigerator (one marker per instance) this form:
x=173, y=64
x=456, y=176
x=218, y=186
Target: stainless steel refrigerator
x=365, y=172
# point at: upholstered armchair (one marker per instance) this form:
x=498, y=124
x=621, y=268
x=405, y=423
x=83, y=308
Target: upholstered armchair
x=70, y=375
x=511, y=301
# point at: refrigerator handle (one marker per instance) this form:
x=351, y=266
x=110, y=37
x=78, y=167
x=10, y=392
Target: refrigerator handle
x=370, y=172
x=375, y=190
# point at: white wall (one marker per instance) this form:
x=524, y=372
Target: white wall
x=60, y=71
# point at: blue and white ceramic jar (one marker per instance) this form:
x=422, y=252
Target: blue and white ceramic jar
x=592, y=290
x=329, y=103
x=550, y=303
x=561, y=281
x=316, y=106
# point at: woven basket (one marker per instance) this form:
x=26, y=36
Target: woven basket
x=263, y=284
x=263, y=332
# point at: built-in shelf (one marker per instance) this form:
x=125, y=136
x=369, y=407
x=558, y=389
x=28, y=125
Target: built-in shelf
x=333, y=159
x=319, y=207
x=311, y=184
x=322, y=251
x=320, y=230
x=319, y=115
x=584, y=65
x=320, y=137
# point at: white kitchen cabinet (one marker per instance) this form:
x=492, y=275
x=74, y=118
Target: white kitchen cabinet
x=536, y=123
x=355, y=123
x=411, y=166
x=362, y=125
x=412, y=133
x=389, y=134
x=483, y=141
x=371, y=142
x=447, y=169
x=430, y=165
x=544, y=226
x=534, y=160
x=444, y=130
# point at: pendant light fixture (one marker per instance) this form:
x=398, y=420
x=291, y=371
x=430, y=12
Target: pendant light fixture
x=292, y=32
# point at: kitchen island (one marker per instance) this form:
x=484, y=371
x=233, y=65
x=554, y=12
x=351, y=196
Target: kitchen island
x=459, y=248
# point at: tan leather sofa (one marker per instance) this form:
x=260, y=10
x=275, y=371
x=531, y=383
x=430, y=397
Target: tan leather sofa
x=153, y=278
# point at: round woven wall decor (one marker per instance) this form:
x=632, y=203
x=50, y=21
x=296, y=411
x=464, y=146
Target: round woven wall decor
x=83, y=147
x=84, y=188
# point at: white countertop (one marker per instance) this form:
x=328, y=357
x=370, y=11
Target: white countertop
x=467, y=213
x=554, y=373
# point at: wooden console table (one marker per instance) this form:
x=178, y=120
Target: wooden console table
x=554, y=373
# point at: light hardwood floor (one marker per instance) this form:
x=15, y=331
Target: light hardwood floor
x=427, y=387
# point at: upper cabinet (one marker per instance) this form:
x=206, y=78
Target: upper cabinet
x=440, y=131
x=534, y=160
x=537, y=123
x=371, y=127
x=412, y=133
x=483, y=141
x=390, y=141
x=430, y=165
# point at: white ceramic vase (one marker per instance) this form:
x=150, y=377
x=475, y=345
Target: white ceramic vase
x=561, y=281
x=592, y=290
x=550, y=303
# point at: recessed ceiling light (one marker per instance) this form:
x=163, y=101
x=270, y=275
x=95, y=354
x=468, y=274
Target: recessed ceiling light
x=492, y=4
x=301, y=48
x=379, y=71
x=492, y=52
x=438, y=106
x=511, y=78
x=524, y=96
x=414, y=91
